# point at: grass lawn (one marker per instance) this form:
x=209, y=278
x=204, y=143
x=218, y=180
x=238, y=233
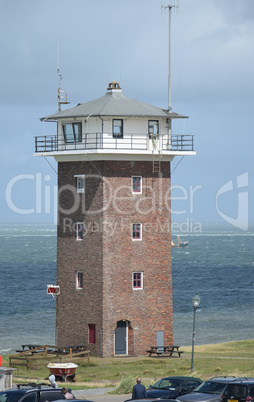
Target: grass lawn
x=231, y=358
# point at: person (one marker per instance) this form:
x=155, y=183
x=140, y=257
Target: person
x=52, y=380
x=139, y=391
x=67, y=394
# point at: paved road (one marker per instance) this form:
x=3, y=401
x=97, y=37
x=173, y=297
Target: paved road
x=100, y=395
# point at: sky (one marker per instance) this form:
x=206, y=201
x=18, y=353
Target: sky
x=212, y=69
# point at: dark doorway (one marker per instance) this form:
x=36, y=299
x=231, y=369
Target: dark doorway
x=121, y=338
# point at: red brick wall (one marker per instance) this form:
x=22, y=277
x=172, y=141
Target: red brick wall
x=76, y=308
x=108, y=256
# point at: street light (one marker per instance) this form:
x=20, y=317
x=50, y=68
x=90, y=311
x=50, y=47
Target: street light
x=195, y=304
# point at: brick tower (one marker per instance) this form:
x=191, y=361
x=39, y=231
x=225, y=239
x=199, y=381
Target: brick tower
x=114, y=224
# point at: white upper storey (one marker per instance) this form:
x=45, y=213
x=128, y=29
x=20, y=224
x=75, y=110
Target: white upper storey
x=114, y=127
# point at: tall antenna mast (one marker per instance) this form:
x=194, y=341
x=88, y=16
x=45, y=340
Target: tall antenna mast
x=61, y=95
x=169, y=6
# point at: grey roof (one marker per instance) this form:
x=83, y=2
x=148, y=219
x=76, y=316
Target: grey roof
x=114, y=103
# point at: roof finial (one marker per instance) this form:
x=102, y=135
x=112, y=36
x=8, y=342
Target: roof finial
x=113, y=85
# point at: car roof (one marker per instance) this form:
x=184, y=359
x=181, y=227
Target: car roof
x=25, y=388
x=244, y=380
x=222, y=379
x=181, y=377
x=149, y=399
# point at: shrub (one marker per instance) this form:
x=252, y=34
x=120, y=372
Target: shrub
x=125, y=386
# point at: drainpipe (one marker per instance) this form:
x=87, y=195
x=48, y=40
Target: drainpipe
x=87, y=121
x=102, y=124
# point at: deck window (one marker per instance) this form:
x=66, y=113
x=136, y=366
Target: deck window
x=136, y=182
x=117, y=128
x=153, y=129
x=136, y=231
x=79, y=230
x=91, y=330
x=72, y=132
x=79, y=280
x=137, y=280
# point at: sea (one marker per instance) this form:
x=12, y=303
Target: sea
x=218, y=264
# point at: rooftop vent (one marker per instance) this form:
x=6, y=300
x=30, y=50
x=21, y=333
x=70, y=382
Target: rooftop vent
x=113, y=85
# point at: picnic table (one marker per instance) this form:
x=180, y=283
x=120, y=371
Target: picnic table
x=28, y=347
x=31, y=352
x=169, y=351
x=68, y=349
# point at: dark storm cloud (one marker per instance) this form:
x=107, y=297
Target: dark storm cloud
x=212, y=73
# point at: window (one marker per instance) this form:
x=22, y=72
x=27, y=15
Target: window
x=79, y=280
x=191, y=385
x=137, y=280
x=136, y=231
x=153, y=129
x=33, y=397
x=46, y=396
x=238, y=390
x=136, y=184
x=79, y=231
x=80, y=183
x=91, y=330
x=72, y=132
x=117, y=128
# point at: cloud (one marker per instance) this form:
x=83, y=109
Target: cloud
x=215, y=59
x=212, y=44
x=212, y=48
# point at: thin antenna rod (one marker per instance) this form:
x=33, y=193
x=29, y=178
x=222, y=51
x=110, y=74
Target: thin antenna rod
x=169, y=58
x=61, y=95
x=169, y=55
x=58, y=80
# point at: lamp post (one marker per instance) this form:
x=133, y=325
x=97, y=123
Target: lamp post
x=195, y=305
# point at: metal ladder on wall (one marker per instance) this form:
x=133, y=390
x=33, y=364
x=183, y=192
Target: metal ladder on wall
x=157, y=163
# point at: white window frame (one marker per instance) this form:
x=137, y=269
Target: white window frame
x=136, y=192
x=141, y=286
x=80, y=183
x=133, y=238
x=79, y=281
x=78, y=238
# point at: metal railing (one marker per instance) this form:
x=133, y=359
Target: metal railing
x=46, y=143
x=133, y=142
x=182, y=142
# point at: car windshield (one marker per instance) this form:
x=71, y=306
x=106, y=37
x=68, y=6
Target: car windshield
x=167, y=383
x=211, y=387
x=10, y=396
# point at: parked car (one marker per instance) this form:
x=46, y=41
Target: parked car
x=28, y=393
x=172, y=387
x=241, y=390
x=210, y=390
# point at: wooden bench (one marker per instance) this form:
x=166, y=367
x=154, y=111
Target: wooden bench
x=176, y=352
x=151, y=352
